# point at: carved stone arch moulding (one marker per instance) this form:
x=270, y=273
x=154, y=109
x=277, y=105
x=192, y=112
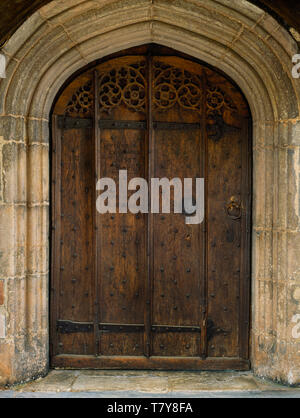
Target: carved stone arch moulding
x=64, y=36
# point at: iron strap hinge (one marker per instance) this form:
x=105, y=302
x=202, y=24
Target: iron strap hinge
x=175, y=126
x=70, y=327
x=74, y=123
x=122, y=124
x=173, y=328
x=84, y=123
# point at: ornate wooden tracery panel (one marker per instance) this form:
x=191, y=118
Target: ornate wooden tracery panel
x=147, y=290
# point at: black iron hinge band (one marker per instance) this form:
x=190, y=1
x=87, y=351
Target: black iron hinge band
x=172, y=328
x=70, y=327
x=121, y=328
x=84, y=123
x=74, y=123
x=174, y=126
x=217, y=128
x=122, y=124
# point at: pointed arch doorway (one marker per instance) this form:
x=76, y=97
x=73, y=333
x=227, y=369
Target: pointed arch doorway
x=140, y=291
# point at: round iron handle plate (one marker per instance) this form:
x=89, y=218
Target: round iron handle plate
x=234, y=209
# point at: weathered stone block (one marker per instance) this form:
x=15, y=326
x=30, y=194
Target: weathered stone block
x=12, y=241
x=1, y=292
x=263, y=253
x=38, y=174
x=264, y=133
x=205, y=15
x=37, y=131
x=263, y=177
x=13, y=128
x=37, y=260
x=293, y=189
x=18, y=45
x=2, y=326
x=279, y=245
x=55, y=44
x=284, y=39
x=249, y=45
x=6, y=363
x=37, y=226
x=14, y=173
x=57, y=8
x=28, y=325
x=7, y=241
x=59, y=12
x=43, y=96
x=11, y=65
x=293, y=260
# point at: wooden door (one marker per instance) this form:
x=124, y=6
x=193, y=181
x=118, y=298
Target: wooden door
x=147, y=290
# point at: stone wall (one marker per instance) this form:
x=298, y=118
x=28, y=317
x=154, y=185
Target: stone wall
x=234, y=36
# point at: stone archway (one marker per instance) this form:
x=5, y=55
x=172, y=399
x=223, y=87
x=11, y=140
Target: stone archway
x=62, y=37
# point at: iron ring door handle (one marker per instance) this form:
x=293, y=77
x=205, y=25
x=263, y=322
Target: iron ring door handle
x=234, y=209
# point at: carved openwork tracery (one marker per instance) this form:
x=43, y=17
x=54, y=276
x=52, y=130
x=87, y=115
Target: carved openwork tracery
x=176, y=86
x=217, y=101
x=123, y=84
x=127, y=84
x=81, y=103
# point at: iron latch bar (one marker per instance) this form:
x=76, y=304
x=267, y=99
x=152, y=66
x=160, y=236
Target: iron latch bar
x=122, y=124
x=174, y=126
x=218, y=128
x=70, y=327
x=82, y=123
x=121, y=328
x=213, y=330
x=172, y=328
x=74, y=123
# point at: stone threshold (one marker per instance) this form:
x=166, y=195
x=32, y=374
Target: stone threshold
x=143, y=384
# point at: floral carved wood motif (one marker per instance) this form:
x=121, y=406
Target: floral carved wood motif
x=174, y=85
x=81, y=103
x=217, y=101
x=126, y=84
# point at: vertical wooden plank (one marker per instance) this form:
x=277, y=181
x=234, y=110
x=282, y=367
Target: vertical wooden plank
x=123, y=247
x=246, y=199
x=123, y=266
x=76, y=275
x=203, y=271
x=96, y=216
x=224, y=244
x=177, y=248
x=56, y=224
x=150, y=253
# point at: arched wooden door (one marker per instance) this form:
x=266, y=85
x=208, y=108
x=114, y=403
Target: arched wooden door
x=149, y=291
